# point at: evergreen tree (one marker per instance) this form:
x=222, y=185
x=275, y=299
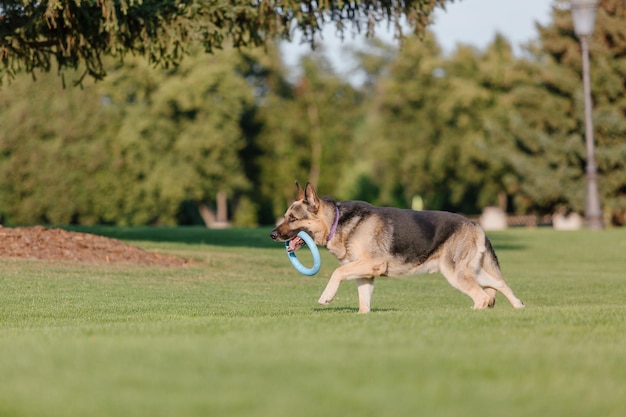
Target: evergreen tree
x=38, y=34
x=465, y=130
x=545, y=126
x=429, y=127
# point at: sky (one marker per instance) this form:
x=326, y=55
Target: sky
x=476, y=22
x=473, y=22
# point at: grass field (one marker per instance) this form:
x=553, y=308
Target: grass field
x=239, y=333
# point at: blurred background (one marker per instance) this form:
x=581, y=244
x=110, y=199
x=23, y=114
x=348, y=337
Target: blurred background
x=484, y=110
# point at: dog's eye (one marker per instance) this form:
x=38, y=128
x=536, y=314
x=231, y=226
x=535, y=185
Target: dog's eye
x=291, y=219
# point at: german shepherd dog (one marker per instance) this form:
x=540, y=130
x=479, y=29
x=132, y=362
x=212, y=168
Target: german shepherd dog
x=372, y=241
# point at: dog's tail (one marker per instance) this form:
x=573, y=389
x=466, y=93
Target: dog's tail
x=490, y=255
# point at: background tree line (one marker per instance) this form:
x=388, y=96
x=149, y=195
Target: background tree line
x=153, y=145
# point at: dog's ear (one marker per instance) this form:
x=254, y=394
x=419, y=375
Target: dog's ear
x=310, y=198
x=299, y=192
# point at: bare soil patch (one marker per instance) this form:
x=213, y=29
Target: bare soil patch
x=39, y=242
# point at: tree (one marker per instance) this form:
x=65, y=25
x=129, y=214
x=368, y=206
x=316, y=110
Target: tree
x=465, y=130
x=54, y=156
x=545, y=125
x=429, y=126
x=307, y=132
x=396, y=144
x=129, y=150
x=180, y=135
x=68, y=33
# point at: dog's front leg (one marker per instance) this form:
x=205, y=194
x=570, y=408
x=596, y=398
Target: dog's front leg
x=365, y=288
x=364, y=268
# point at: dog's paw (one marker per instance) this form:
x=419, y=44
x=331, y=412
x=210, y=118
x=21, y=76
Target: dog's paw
x=324, y=300
x=482, y=304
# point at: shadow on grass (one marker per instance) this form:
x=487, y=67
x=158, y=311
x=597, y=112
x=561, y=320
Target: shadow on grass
x=351, y=310
x=242, y=237
x=505, y=241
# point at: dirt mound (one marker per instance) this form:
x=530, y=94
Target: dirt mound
x=60, y=245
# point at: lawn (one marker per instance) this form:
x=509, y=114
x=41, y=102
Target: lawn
x=239, y=333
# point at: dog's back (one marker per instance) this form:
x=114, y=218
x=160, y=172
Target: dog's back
x=412, y=236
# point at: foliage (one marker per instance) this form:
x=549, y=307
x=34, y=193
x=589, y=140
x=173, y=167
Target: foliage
x=548, y=125
x=128, y=151
x=429, y=126
x=238, y=333
x=307, y=133
x=467, y=130
x=39, y=34
x=180, y=137
x=53, y=159
x=460, y=131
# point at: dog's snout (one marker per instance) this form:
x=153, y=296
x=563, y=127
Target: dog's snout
x=274, y=234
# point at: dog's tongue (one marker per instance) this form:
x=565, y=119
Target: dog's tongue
x=295, y=244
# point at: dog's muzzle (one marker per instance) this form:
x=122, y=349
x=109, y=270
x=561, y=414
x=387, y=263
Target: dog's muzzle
x=295, y=243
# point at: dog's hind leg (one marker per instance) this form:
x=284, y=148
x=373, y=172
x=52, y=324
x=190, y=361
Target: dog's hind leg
x=460, y=262
x=365, y=288
x=496, y=282
x=490, y=277
x=491, y=292
x=464, y=280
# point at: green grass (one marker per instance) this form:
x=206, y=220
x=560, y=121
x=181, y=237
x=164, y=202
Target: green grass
x=238, y=333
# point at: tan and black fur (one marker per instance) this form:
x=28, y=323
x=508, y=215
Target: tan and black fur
x=372, y=241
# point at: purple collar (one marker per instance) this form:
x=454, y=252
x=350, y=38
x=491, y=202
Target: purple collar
x=334, y=228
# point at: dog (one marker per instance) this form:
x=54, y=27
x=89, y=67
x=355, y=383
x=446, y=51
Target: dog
x=371, y=241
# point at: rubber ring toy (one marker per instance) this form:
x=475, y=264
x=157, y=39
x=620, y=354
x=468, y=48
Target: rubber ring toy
x=314, y=251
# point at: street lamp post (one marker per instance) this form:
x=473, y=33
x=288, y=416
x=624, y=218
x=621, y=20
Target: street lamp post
x=583, y=15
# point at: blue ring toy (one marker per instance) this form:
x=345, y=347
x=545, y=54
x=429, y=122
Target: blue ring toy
x=314, y=251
